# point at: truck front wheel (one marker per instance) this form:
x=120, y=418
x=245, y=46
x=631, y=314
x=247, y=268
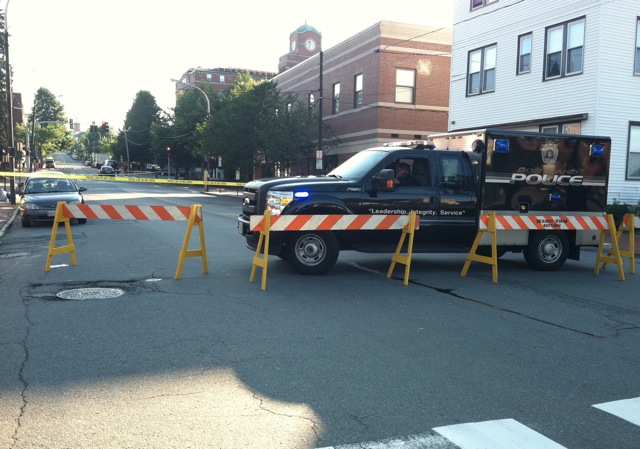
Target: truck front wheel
x=547, y=251
x=312, y=252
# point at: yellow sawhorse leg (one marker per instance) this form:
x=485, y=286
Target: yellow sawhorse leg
x=404, y=259
x=262, y=261
x=195, y=219
x=69, y=247
x=491, y=260
x=612, y=256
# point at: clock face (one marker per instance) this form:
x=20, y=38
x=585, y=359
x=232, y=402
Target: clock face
x=293, y=45
x=310, y=44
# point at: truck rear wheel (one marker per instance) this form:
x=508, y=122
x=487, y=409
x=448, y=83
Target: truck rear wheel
x=547, y=251
x=312, y=252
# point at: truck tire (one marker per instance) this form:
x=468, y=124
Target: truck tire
x=312, y=252
x=547, y=250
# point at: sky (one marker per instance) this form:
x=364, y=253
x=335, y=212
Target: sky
x=95, y=56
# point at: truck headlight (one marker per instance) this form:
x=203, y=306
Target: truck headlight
x=276, y=201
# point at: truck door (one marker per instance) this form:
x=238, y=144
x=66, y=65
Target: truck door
x=458, y=201
x=419, y=195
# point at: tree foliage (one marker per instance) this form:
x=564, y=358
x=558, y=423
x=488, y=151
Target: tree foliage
x=140, y=122
x=49, y=124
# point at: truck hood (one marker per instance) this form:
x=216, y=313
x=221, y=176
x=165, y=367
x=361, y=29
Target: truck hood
x=318, y=182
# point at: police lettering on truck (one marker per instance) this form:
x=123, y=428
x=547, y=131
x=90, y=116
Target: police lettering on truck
x=462, y=178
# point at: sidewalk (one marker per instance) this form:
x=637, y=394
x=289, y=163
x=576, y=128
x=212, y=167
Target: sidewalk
x=8, y=212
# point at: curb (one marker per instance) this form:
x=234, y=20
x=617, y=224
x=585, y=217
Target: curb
x=8, y=222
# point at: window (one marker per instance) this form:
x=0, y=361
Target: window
x=571, y=128
x=564, y=49
x=451, y=171
x=524, y=53
x=564, y=128
x=405, y=85
x=222, y=80
x=336, y=98
x=637, y=68
x=633, y=160
x=475, y=4
x=481, y=75
x=209, y=77
x=357, y=96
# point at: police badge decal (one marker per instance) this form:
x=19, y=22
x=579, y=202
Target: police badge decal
x=549, y=153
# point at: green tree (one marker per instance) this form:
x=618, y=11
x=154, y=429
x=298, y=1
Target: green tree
x=49, y=131
x=259, y=124
x=139, y=124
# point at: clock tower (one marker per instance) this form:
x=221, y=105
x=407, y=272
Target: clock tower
x=304, y=42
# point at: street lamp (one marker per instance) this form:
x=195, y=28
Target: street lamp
x=196, y=87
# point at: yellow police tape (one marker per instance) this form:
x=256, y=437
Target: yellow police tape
x=129, y=179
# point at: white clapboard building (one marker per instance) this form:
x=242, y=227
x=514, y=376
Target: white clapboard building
x=569, y=66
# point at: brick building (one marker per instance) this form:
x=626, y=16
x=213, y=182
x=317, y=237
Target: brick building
x=219, y=79
x=386, y=83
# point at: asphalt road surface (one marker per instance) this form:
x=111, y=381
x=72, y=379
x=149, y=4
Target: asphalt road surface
x=350, y=359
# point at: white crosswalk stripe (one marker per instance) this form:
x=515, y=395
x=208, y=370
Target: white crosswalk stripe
x=627, y=409
x=496, y=434
x=499, y=434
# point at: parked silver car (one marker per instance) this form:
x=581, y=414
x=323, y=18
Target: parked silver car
x=40, y=194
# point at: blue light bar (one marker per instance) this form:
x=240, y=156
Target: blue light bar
x=596, y=150
x=555, y=197
x=501, y=145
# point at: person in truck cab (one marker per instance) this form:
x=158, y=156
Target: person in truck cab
x=404, y=176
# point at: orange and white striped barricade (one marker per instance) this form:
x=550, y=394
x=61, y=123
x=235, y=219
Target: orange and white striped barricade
x=494, y=224
x=192, y=214
x=335, y=222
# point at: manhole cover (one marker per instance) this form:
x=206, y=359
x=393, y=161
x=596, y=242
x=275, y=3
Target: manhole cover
x=81, y=294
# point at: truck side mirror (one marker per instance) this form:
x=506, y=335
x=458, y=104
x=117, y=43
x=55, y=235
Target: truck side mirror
x=385, y=181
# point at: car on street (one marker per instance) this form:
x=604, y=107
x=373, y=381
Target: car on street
x=40, y=194
x=152, y=167
x=107, y=170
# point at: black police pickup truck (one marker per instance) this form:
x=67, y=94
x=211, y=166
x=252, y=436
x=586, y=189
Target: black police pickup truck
x=510, y=172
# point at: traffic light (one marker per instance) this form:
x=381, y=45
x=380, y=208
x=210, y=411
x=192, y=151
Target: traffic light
x=168, y=148
x=105, y=127
x=93, y=128
x=70, y=123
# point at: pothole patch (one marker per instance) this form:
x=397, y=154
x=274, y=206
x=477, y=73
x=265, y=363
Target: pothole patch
x=81, y=294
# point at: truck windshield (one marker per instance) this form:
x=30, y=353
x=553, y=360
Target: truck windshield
x=358, y=165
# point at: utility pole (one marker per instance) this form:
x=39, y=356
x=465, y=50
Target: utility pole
x=10, y=142
x=321, y=100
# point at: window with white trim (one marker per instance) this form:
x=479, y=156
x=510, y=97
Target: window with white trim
x=405, y=86
x=524, y=53
x=357, y=94
x=475, y=4
x=563, y=54
x=636, y=71
x=336, y=98
x=481, y=70
x=633, y=158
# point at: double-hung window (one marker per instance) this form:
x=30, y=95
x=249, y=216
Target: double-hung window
x=633, y=158
x=405, y=86
x=564, y=49
x=636, y=70
x=524, y=53
x=357, y=94
x=475, y=4
x=336, y=98
x=481, y=70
